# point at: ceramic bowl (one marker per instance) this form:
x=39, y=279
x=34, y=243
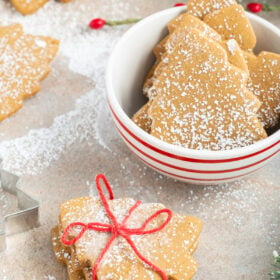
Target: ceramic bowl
x=129, y=63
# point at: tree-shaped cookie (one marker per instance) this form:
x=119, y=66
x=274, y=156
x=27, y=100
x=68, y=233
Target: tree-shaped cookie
x=177, y=28
x=200, y=8
x=202, y=101
x=167, y=45
x=232, y=23
x=24, y=62
x=164, y=240
x=27, y=7
x=265, y=84
x=63, y=255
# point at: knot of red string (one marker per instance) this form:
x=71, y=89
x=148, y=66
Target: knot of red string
x=116, y=229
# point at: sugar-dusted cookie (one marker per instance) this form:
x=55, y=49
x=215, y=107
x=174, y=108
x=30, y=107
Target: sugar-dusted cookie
x=155, y=231
x=181, y=22
x=122, y=257
x=265, y=84
x=63, y=255
x=24, y=63
x=200, y=8
x=167, y=44
x=142, y=119
x=194, y=22
x=67, y=256
x=202, y=101
x=27, y=7
x=185, y=21
x=234, y=53
x=232, y=23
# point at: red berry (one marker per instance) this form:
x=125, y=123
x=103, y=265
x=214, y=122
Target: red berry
x=97, y=23
x=179, y=4
x=255, y=7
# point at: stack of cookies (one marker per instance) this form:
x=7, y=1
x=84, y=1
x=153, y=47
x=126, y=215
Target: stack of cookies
x=25, y=61
x=207, y=89
x=170, y=248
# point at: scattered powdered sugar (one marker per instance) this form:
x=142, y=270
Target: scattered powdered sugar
x=241, y=220
x=3, y=275
x=88, y=52
x=49, y=277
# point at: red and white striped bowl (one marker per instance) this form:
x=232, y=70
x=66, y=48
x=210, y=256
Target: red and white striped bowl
x=128, y=65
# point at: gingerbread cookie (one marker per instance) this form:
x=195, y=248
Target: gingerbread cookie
x=179, y=27
x=201, y=8
x=27, y=7
x=235, y=55
x=265, y=84
x=156, y=233
x=202, y=101
x=232, y=23
x=180, y=23
x=24, y=63
x=64, y=256
x=142, y=119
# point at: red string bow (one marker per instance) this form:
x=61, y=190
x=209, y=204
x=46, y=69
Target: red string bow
x=117, y=229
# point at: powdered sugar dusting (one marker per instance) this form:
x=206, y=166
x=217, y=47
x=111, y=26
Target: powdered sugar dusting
x=180, y=236
x=202, y=101
x=232, y=46
x=88, y=53
x=241, y=220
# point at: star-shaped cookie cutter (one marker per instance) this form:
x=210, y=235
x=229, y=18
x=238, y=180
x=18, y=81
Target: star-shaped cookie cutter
x=27, y=217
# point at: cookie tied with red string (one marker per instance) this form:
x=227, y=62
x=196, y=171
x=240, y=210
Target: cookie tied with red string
x=113, y=239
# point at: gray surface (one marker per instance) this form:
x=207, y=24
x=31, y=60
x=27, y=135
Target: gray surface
x=241, y=220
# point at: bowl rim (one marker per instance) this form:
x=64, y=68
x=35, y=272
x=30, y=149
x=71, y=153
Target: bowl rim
x=119, y=113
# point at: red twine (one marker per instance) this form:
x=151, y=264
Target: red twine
x=116, y=229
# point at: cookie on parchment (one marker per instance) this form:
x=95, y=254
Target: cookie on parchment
x=63, y=256
x=27, y=7
x=120, y=262
x=202, y=101
x=24, y=63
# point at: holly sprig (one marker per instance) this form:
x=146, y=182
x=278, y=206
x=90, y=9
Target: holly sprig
x=275, y=274
x=254, y=7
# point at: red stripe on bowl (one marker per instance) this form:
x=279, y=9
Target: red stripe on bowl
x=159, y=151
x=197, y=179
x=194, y=170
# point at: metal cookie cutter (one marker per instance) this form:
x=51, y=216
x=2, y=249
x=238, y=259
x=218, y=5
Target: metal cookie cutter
x=27, y=217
